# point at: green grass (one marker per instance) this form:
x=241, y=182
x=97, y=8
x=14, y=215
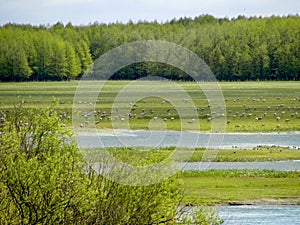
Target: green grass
x=240, y=187
x=258, y=154
x=222, y=187
x=151, y=155
x=240, y=97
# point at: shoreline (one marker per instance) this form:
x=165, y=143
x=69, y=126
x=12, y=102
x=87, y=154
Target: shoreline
x=265, y=201
x=256, y=202
x=112, y=131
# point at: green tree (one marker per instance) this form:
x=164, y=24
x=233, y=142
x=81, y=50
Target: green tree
x=73, y=68
x=58, y=64
x=18, y=68
x=45, y=179
x=43, y=46
x=42, y=170
x=237, y=49
x=84, y=55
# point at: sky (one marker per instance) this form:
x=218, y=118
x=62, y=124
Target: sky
x=83, y=12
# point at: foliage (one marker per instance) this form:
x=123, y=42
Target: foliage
x=237, y=49
x=45, y=179
x=41, y=171
x=201, y=216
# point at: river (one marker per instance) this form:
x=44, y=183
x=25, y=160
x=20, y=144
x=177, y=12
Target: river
x=119, y=138
x=264, y=215
x=292, y=165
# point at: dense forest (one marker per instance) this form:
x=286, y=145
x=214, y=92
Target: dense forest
x=235, y=49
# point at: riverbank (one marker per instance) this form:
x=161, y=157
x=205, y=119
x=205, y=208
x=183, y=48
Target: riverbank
x=266, y=201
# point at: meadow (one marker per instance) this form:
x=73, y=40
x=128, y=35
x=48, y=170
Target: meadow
x=250, y=106
x=233, y=187
x=222, y=187
x=156, y=155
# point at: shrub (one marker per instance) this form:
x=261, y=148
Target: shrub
x=45, y=179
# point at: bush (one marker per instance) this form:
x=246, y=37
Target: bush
x=44, y=179
x=42, y=175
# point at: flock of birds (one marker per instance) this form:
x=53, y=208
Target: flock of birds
x=279, y=112
x=238, y=112
x=241, y=112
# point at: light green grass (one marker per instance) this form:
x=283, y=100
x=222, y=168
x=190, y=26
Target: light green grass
x=221, y=187
x=151, y=155
x=238, y=97
x=241, y=186
x=258, y=154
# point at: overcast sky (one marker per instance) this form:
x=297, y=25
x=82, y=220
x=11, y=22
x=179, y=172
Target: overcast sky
x=107, y=11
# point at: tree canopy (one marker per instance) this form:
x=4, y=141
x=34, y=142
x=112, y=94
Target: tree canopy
x=242, y=48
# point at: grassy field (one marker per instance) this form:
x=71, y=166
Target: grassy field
x=223, y=187
x=250, y=106
x=259, y=154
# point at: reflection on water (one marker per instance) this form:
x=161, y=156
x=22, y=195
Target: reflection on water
x=266, y=215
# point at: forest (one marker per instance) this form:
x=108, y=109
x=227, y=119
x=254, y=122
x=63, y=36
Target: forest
x=236, y=49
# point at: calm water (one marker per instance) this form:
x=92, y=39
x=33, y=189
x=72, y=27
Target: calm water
x=264, y=215
x=277, y=165
x=186, y=139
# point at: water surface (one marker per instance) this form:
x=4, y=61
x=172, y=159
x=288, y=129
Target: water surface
x=264, y=215
x=291, y=165
x=120, y=138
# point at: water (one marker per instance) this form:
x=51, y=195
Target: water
x=266, y=215
x=292, y=165
x=186, y=139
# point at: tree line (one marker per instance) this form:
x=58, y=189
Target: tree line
x=236, y=49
